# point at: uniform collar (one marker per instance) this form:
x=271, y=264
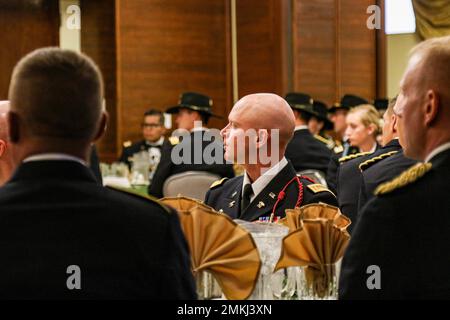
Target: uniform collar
x=195, y=129
x=301, y=127
x=438, y=150
x=374, y=148
x=155, y=144
x=261, y=183
x=54, y=157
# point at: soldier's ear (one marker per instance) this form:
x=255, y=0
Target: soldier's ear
x=432, y=105
x=263, y=137
x=102, y=126
x=394, y=123
x=2, y=147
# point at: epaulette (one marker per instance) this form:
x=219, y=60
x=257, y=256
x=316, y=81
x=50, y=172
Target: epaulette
x=321, y=139
x=368, y=163
x=218, y=183
x=174, y=140
x=338, y=149
x=407, y=177
x=317, y=187
x=141, y=196
x=353, y=156
x=127, y=144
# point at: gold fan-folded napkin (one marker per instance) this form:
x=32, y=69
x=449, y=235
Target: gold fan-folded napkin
x=314, y=211
x=317, y=240
x=220, y=246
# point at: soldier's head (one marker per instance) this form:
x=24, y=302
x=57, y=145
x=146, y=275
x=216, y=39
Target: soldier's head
x=153, y=125
x=6, y=161
x=363, y=126
x=424, y=99
x=56, y=101
x=390, y=130
x=266, y=115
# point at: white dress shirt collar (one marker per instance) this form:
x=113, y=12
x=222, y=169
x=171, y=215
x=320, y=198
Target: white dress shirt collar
x=54, y=157
x=435, y=152
x=301, y=127
x=157, y=143
x=264, y=179
x=199, y=129
x=374, y=148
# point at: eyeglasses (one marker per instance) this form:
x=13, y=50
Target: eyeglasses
x=150, y=125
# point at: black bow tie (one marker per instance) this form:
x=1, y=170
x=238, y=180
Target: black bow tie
x=149, y=145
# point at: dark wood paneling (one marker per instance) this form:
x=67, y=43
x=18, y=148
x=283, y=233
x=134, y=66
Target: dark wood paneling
x=261, y=46
x=98, y=40
x=358, y=51
x=25, y=26
x=334, y=51
x=166, y=47
x=314, y=45
x=381, y=55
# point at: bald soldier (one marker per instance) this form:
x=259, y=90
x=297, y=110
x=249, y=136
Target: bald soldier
x=6, y=162
x=399, y=248
x=259, y=128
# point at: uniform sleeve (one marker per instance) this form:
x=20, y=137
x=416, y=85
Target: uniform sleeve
x=177, y=281
x=207, y=197
x=362, y=194
x=332, y=173
x=162, y=172
x=372, y=244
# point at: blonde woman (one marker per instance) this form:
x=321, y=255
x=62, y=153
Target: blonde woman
x=363, y=126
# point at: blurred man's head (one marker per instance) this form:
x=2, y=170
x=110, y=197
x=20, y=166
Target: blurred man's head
x=389, y=124
x=6, y=161
x=340, y=110
x=153, y=126
x=363, y=125
x=186, y=118
x=338, y=117
x=424, y=100
x=266, y=114
x=56, y=101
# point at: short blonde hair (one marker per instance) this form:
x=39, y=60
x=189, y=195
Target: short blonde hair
x=369, y=115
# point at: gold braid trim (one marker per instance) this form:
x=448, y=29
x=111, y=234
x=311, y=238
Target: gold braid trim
x=368, y=163
x=353, y=156
x=407, y=177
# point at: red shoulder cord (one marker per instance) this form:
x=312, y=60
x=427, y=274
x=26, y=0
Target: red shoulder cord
x=282, y=194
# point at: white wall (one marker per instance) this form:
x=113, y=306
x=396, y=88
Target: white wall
x=398, y=48
x=68, y=38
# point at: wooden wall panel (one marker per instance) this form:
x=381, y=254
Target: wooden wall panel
x=334, y=51
x=98, y=40
x=261, y=46
x=357, y=50
x=166, y=47
x=314, y=45
x=25, y=25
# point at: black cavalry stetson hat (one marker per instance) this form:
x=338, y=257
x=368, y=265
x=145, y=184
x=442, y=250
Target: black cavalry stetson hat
x=381, y=104
x=194, y=101
x=301, y=102
x=321, y=110
x=348, y=101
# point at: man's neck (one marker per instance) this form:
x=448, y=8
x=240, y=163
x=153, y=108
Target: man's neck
x=6, y=170
x=432, y=147
x=299, y=122
x=254, y=171
x=71, y=148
